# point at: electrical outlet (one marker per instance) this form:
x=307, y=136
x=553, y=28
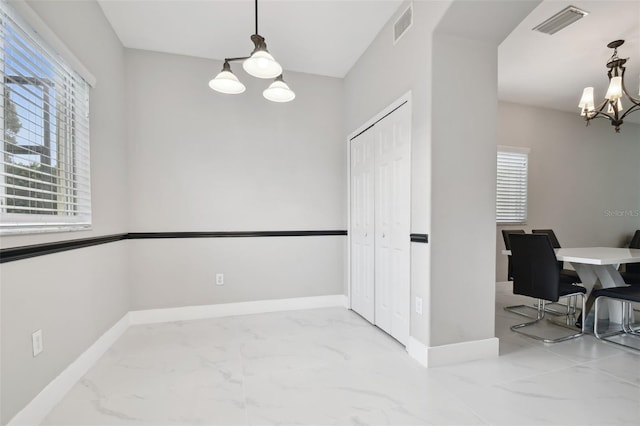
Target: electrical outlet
x=36, y=342
x=219, y=279
x=419, y=305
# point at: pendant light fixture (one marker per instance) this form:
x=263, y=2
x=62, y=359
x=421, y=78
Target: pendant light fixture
x=260, y=64
x=614, y=96
x=226, y=81
x=279, y=91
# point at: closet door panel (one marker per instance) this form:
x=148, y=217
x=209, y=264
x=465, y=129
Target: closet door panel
x=362, y=227
x=393, y=161
x=380, y=223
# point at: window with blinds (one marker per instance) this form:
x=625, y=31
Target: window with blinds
x=511, y=185
x=44, y=182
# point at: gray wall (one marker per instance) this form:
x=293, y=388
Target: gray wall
x=465, y=52
x=452, y=77
x=383, y=74
x=579, y=177
x=204, y=161
x=74, y=297
x=463, y=194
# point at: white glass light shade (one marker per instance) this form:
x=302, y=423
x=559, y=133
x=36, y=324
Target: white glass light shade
x=586, y=102
x=262, y=65
x=227, y=82
x=278, y=91
x=614, y=91
x=610, y=109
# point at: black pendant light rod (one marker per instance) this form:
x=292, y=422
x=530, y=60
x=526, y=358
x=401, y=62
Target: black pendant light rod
x=256, y=3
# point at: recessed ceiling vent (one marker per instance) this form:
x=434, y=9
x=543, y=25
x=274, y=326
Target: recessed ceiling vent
x=403, y=24
x=560, y=20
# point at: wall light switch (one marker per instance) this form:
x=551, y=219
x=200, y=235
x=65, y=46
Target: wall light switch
x=419, y=305
x=36, y=342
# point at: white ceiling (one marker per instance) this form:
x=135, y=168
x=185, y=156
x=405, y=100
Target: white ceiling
x=326, y=37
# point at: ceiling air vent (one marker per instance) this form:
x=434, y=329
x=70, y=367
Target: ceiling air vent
x=403, y=24
x=560, y=20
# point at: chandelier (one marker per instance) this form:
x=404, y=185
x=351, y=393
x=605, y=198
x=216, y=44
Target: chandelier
x=615, y=93
x=259, y=64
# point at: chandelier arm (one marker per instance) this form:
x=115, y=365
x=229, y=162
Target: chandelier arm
x=635, y=101
x=600, y=111
x=241, y=58
x=600, y=114
x=634, y=108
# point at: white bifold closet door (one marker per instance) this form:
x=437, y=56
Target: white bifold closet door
x=380, y=223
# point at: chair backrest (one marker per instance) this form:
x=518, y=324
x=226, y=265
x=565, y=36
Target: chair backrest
x=507, y=246
x=535, y=269
x=554, y=241
x=552, y=236
x=635, y=243
x=505, y=236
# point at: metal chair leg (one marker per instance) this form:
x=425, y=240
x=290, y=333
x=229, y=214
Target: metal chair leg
x=518, y=328
x=515, y=310
x=626, y=326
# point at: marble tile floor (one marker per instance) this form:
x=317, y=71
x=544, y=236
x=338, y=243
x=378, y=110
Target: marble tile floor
x=330, y=367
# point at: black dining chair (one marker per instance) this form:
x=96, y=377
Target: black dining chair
x=536, y=274
x=627, y=295
x=632, y=270
x=568, y=276
x=635, y=241
x=522, y=309
x=507, y=246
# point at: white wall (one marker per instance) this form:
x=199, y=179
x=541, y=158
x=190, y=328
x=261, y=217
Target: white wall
x=204, y=161
x=74, y=297
x=579, y=177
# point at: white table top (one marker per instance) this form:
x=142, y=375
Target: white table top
x=596, y=255
x=599, y=255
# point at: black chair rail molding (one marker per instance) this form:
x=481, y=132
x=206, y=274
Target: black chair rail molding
x=259, y=64
x=616, y=92
x=419, y=238
x=25, y=252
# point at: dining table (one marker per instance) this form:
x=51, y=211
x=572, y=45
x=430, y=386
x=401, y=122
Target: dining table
x=598, y=267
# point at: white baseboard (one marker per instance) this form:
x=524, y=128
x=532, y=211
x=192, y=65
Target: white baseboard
x=437, y=356
x=186, y=313
x=35, y=412
x=418, y=351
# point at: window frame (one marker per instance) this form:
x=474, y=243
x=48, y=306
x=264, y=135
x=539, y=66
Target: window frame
x=517, y=214
x=71, y=176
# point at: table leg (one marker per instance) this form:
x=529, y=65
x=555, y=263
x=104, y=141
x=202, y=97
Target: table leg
x=610, y=277
x=605, y=276
x=589, y=280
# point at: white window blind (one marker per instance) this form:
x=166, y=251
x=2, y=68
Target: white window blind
x=511, y=185
x=45, y=178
